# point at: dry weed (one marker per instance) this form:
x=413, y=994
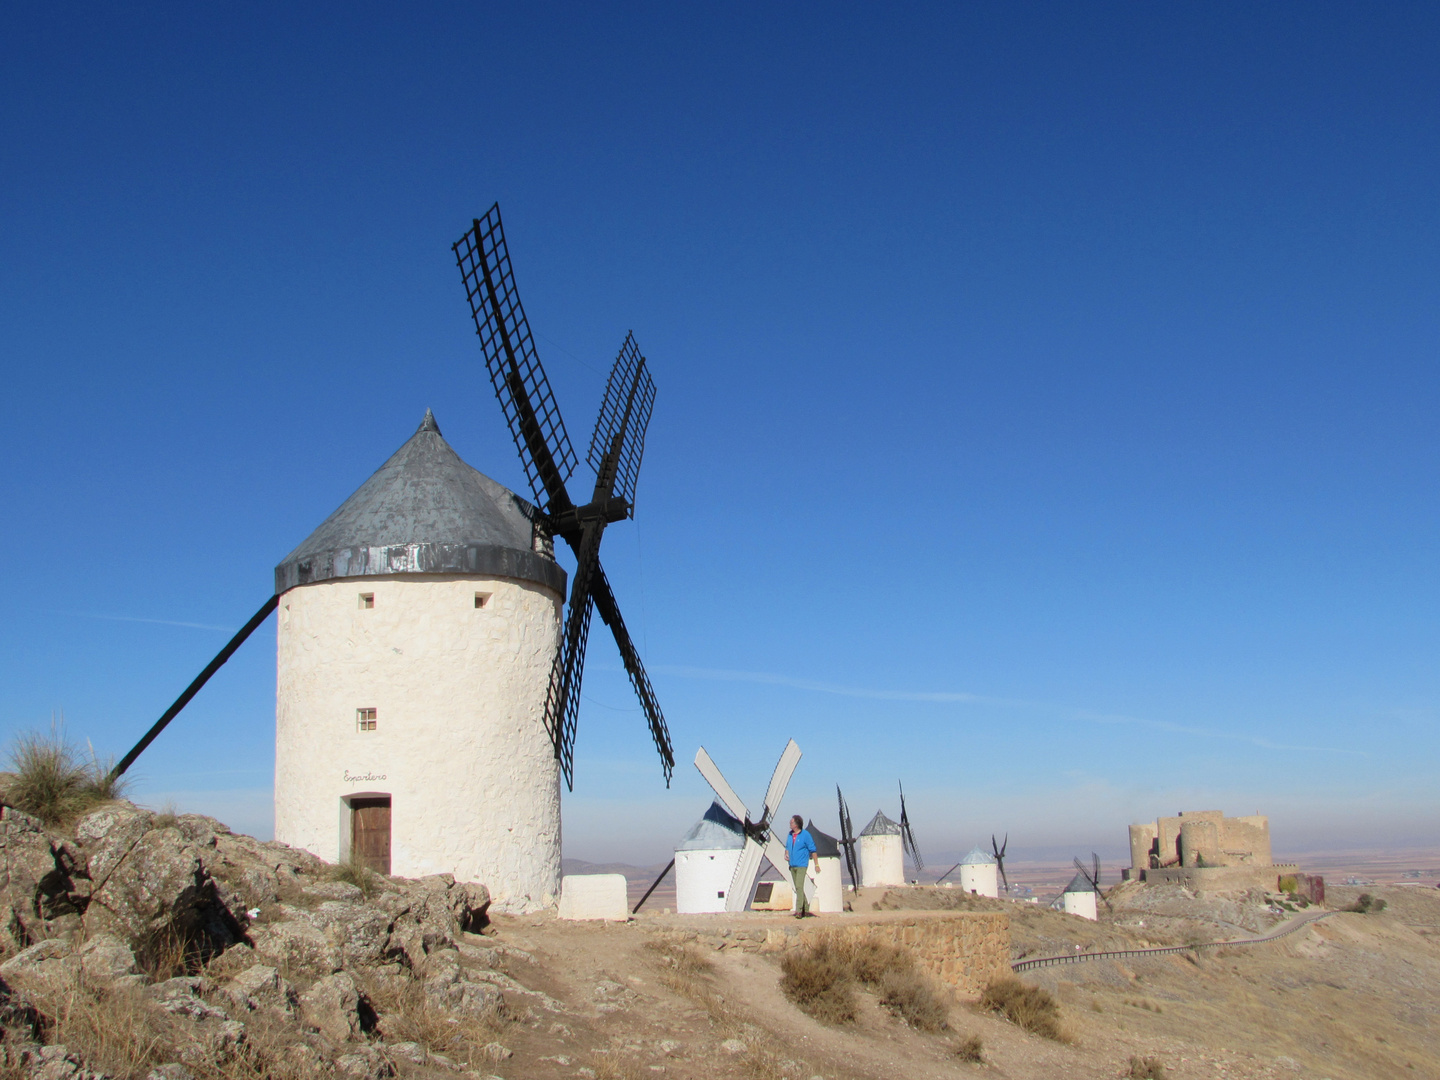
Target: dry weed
x=1147, y=1068
x=356, y=873
x=53, y=781
x=821, y=979
x=608, y=1065
x=116, y=1031
x=971, y=1049
x=1028, y=1007
x=407, y=1015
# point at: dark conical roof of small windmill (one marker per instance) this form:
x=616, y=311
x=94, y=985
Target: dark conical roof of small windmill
x=880, y=825
x=1079, y=883
x=826, y=846
x=978, y=857
x=425, y=512
x=717, y=830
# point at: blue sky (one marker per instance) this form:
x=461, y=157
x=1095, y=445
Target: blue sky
x=1046, y=407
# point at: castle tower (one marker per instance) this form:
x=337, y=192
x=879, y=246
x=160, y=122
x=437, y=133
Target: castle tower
x=417, y=627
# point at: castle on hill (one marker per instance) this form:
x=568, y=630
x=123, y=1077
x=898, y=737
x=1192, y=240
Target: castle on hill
x=1205, y=849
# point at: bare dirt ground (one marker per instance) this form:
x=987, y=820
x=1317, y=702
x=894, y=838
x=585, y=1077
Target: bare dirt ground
x=1355, y=996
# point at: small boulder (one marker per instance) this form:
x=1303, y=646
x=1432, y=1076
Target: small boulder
x=106, y=957
x=332, y=1006
x=43, y=958
x=261, y=986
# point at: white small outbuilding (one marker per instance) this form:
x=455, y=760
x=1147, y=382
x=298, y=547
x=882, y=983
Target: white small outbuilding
x=705, y=862
x=977, y=873
x=882, y=856
x=829, y=889
x=1079, y=898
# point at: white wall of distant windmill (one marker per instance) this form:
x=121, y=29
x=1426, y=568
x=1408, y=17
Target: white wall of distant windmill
x=705, y=861
x=1079, y=898
x=459, y=742
x=978, y=874
x=829, y=886
x=882, y=855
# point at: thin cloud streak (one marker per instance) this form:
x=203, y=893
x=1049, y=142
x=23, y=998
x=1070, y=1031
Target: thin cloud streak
x=960, y=697
x=155, y=622
x=722, y=675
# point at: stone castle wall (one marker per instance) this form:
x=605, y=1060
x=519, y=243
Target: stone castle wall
x=1198, y=839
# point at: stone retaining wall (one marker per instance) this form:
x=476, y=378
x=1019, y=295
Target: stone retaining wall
x=963, y=950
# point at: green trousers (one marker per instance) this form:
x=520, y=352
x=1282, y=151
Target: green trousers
x=797, y=875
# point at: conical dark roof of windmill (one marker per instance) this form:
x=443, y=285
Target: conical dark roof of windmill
x=1080, y=883
x=425, y=512
x=880, y=825
x=826, y=846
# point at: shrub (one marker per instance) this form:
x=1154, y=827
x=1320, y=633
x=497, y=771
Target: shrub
x=1365, y=903
x=354, y=872
x=820, y=981
x=970, y=1049
x=1028, y=1007
x=821, y=978
x=52, y=780
x=1147, y=1068
x=1288, y=884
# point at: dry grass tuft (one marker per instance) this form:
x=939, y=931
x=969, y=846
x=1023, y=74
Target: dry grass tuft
x=355, y=873
x=53, y=780
x=821, y=979
x=971, y=1049
x=1028, y=1007
x=165, y=817
x=821, y=982
x=116, y=1031
x=407, y=1015
x=1146, y=1068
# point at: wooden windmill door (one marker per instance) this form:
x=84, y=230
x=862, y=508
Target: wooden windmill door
x=370, y=833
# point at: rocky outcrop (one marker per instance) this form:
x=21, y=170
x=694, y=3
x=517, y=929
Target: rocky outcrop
x=209, y=937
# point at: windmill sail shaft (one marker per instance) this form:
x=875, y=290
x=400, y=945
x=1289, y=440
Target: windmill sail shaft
x=194, y=688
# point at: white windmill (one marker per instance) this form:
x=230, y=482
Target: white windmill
x=760, y=841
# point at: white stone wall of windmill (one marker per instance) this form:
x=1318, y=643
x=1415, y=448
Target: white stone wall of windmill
x=705, y=862
x=882, y=853
x=1079, y=898
x=978, y=873
x=409, y=700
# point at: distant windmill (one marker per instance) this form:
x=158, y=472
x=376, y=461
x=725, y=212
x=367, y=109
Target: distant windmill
x=760, y=840
x=847, y=841
x=1092, y=875
x=907, y=838
x=616, y=447
x=1000, y=859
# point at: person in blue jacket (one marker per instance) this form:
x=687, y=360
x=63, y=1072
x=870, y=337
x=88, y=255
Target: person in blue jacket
x=800, y=846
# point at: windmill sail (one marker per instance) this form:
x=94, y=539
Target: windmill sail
x=529, y=405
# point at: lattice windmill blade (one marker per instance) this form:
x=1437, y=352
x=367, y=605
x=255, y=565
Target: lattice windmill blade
x=847, y=840
x=1096, y=879
x=562, y=700
x=515, y=371
x=610, y=614
x=907, y=838
x=618, y=442
x=1000, y=859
